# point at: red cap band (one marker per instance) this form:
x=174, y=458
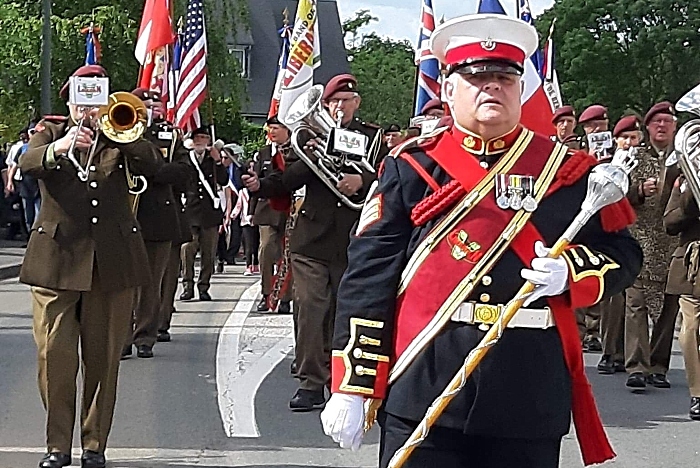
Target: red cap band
x=485, y=50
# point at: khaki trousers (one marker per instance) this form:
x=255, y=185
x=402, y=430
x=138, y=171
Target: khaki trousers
x=147, y=311
x=169, y=288
x=588, y=320
x=612, y=326
x=204, y=240
x=689, y=339
x=642, y=302
x=99, y=321
x=271, y=250
x=315, y=292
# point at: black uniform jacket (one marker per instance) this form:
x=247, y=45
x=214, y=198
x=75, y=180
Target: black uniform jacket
x=159, y=210
x=522, y=388
x=199, y=207
x=263, y=213
x=86, y=225
x=323, y=226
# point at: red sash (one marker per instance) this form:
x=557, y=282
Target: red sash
x=437, y=284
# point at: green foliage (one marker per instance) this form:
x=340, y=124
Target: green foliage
x=252, y=138
x=626, y=54
x=385, y=73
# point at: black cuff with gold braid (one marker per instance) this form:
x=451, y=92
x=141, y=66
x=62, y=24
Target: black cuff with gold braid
x=360, y=367
x=587, y=269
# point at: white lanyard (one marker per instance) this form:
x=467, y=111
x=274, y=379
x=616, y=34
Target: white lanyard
x=214, y=198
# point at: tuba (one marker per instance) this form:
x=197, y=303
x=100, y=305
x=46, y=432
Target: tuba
x=124, y=120
x=308, y=115
x=687, y=142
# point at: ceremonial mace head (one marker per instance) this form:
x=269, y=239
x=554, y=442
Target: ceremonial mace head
x=608, y=183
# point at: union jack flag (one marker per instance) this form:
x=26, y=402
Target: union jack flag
x=428, y=85
x=93, y=50
x=192, y=83
x=537, y=58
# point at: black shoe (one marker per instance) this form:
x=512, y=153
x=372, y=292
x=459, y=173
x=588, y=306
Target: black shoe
x=307, y=400
x=220, y=267
x=695, y=408
x=163, y=337
x=594, y=345
x=293, y=368
x=284, y=308
x=92, y=459
x=187, y=295
x=204, y=296
x=606, y=366
x=636, y=381
x=659, y=381
x=144, y=351
x=619, y=366
x=126, y=352
x=55, y=460
x=262, y=305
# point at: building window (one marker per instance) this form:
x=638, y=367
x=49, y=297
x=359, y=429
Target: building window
x=242, y=56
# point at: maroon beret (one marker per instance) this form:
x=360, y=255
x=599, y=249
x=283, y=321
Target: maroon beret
x=430, y=105
x=594, y=112
x=564, y=111
x=629, y=123
x=664, y=107
x=84, y=71
x=146, y=94
x=340, y=83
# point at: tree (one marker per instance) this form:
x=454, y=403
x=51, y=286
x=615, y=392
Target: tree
x=384, y=70
x=626, y=54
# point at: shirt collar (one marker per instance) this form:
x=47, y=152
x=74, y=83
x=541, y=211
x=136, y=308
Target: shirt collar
x=477, y=146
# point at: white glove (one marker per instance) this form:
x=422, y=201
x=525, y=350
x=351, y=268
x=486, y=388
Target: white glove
x=343, y=420
x=549, y=275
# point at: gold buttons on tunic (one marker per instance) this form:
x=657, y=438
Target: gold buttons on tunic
x=484, y=297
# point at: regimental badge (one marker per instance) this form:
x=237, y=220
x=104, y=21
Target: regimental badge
x=516, y=192
x=463, y=248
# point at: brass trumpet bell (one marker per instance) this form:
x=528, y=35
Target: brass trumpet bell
x=124, y=119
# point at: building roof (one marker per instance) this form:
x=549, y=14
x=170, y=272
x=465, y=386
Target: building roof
x=265, y=43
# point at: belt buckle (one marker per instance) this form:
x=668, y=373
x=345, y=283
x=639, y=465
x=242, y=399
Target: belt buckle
x=486, y=315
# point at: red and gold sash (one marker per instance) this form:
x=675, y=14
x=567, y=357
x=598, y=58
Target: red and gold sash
x=467, y=242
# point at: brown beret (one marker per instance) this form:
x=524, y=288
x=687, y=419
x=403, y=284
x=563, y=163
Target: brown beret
x=594, y=112
x=84, y=71
x=564, y=111
x=664, y=107
x=629, y=123
x=146, y=94
x=430, y=105
x=340, y=83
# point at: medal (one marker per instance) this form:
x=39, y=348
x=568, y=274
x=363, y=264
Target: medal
x=529, y=202
x=501, y=192
x=516, y=192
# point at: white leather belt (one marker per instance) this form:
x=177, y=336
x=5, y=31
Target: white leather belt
x=474, y=313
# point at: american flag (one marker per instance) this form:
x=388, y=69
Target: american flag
x=192, y=85
x=428, y=86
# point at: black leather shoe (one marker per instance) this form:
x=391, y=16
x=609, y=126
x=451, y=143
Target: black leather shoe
x=163, y=337
x=92, y=459
x=695, y=408
x=126, y=352
x=594, y=345
x=55, y=460
x=284, y=308
x=144, y=351
x=220, y=267
x=262, y=305
x=187, y=295
x=293, y=368
x=619, y=366
x=636, y=381
x=606, y=366
x=307, y=400
x=204, y=296
x=659, y=381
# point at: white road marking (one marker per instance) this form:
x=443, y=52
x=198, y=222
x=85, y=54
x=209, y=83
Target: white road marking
x=237, y=382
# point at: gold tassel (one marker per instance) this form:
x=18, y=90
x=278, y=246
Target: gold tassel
x=372, y=406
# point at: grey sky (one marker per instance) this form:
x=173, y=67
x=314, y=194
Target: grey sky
x=399, y=19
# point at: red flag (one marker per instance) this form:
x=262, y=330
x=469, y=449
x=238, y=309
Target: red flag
x=155, y=34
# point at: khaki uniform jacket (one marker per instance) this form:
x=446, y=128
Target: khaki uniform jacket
x=323, y=226
x=649, y=230
x=86, y=225
x=263, y=213
x=158, y=211
x=682, y=218
x=199, y=207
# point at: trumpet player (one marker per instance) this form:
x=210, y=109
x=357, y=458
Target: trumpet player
x=84, y=259
x=319, y=241
x=157, y=213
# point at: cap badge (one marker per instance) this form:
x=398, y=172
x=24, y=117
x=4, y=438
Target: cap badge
x=488, y=44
